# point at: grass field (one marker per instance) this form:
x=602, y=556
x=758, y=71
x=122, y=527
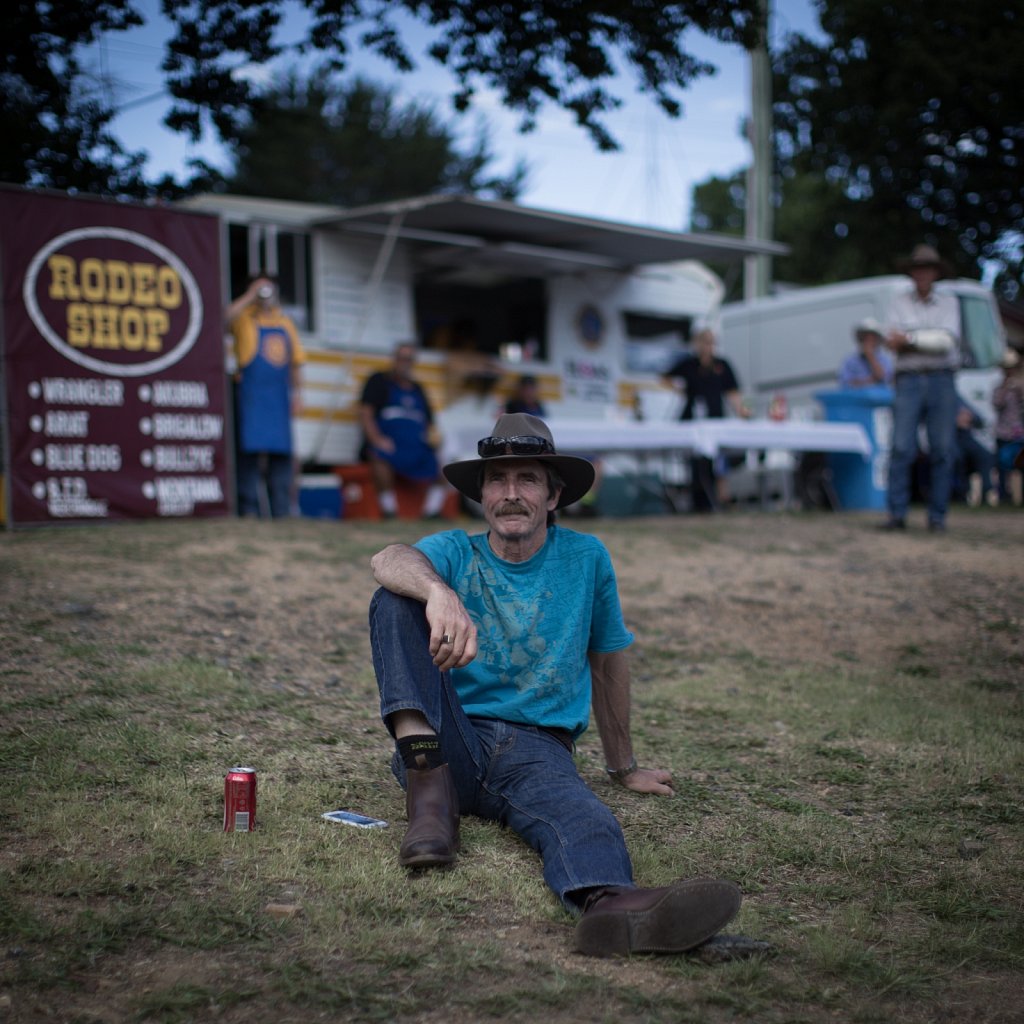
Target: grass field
x=864, y=786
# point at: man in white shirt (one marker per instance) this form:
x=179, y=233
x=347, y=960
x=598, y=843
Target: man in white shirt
x=924, y=336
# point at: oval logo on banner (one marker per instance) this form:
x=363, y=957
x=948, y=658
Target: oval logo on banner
x=113, y=301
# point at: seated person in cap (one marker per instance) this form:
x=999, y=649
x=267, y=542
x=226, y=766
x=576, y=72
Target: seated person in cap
x=871, y=364
x=1008, y=402
x=526, y=397
x=974, y=476
x=488, y=651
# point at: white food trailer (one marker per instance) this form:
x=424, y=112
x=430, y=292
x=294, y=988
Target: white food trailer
x=489, y=290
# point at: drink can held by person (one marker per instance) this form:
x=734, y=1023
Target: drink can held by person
x=240, y=800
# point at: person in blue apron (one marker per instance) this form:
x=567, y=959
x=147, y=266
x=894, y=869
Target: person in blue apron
x=398, y=428
x=268, y=356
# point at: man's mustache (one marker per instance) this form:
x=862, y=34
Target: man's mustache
x=512, y=508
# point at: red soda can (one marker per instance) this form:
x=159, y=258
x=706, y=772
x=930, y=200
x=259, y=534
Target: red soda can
x=240, y=800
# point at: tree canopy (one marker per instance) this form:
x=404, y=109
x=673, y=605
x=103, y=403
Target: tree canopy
x=814, y=218
x=55, y=129
x=565, y=53
x=315, y=139
x=914, y=110
x=531, y=51
x=905, y=124
x=915, y=104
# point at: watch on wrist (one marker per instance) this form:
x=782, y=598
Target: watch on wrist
x=622, y=773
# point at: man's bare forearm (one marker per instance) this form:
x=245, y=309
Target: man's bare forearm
x=404, y=570
x=611, y=696
x=368, y=421
x=409, y=573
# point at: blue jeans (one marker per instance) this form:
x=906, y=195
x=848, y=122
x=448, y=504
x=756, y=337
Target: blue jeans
x=1006, y=452
x=276, y=470
x=972, y=457
x=517, y=775
x=930, y=397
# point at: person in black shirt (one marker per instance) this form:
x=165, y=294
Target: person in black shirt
x=710, y=385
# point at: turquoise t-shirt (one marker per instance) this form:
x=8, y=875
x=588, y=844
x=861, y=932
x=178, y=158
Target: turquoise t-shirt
x=536, y=621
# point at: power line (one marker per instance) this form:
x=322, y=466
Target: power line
x=142, y=101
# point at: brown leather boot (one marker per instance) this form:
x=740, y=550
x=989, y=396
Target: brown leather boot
x=618, y=921
x=432, y=807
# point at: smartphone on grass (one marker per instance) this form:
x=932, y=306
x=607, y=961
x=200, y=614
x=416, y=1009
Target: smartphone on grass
x=358, y=820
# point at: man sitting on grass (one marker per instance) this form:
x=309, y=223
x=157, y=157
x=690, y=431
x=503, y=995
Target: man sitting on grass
x=488, y=650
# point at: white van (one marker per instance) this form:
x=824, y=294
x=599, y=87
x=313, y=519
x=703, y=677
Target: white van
x=792, y=344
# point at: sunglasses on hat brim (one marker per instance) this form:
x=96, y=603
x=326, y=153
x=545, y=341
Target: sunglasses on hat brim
x=491, y=447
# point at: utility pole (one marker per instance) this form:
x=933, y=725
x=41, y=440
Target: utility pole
x=757, y=270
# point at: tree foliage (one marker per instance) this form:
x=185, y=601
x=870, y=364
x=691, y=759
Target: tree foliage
x=532, y=51
x=812, y=216
x=56, y=122
x=719, y=204
x=905, y=124
x=54, y=127
x=914, y=113
x=313, y=139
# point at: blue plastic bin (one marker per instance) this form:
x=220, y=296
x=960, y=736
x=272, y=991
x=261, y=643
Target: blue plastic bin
x=860, y=483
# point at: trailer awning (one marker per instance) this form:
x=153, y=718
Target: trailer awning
x=454, y=229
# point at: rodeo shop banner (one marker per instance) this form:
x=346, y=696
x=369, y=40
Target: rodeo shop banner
x=113, y=361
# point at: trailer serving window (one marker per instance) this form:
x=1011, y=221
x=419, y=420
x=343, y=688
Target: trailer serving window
x=653, y=342
x=253, y=248
x=502, y=319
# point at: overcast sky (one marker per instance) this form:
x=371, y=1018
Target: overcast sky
x=649, y=182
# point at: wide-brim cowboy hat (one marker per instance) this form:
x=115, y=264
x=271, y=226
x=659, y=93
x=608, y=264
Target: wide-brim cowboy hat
x=518, y=435
x=925, y=256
